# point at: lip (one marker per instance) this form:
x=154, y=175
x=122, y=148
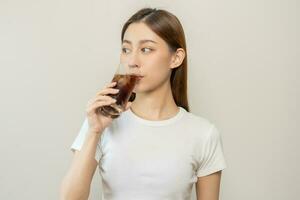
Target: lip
x=140, y=77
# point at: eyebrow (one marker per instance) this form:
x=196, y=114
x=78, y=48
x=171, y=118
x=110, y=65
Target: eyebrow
x=140, y=42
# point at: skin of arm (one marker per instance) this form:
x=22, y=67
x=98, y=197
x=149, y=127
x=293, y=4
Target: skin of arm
x=76, y=183
x=208, y=187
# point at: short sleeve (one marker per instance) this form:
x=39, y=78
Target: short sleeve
x=212, y=156
x=79, y=140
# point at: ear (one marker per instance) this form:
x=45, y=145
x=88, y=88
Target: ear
x=177, y=58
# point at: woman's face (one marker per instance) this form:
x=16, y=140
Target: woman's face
x=143, y=49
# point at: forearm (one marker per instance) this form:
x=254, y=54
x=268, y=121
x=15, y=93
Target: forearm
x=76, y=183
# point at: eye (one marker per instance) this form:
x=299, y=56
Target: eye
x=146, y=50
x=125, y=50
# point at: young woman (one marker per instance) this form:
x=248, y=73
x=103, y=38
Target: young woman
x=156, y=149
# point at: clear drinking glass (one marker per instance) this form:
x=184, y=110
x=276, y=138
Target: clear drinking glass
x=126, y=77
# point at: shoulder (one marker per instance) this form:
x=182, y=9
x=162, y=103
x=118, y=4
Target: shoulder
x=208, y=132
x=198, y=122
x=201, y=129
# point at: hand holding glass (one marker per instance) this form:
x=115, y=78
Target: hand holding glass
x=126, y=77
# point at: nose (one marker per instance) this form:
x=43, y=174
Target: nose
x=133, y=60
x=133, y=65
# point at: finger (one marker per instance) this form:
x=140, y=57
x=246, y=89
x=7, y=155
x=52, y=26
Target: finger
x=99, y=98
x=98, y=104
x=103, y=97
x=111, y=84
x=108, y=91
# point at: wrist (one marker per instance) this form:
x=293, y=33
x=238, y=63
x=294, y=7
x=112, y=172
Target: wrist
x=95, y=133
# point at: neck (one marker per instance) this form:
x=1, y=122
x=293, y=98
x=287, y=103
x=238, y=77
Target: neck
x=158, y=104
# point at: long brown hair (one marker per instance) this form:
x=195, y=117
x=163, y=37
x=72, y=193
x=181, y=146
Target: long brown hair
x=168, y=27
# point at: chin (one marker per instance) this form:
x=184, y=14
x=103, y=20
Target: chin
x=139, y=88
x=146, y=87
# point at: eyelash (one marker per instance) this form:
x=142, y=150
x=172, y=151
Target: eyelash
x=124, y=49
x=148, y=48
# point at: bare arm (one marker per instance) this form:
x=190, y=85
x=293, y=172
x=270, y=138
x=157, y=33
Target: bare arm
x=208, y=187
x=76, y=184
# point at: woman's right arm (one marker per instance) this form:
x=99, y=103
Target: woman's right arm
x=76, y=184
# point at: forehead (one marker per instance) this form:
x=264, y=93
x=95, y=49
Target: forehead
x=140, y=31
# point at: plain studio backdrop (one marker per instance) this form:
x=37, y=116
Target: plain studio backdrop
x=243, y=69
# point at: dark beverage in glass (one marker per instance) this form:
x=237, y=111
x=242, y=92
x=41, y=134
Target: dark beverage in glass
x=125, y=83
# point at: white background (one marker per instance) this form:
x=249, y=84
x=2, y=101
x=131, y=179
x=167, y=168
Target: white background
x=243, y=67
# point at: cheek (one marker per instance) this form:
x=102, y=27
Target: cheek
x=156, y=75
x=157, y=62
x=156, y=70
x=158, y=66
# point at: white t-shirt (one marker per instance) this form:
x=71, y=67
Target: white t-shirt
x=161, y=160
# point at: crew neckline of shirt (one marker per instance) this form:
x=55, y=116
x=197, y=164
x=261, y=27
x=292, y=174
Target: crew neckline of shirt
x=164, y=122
